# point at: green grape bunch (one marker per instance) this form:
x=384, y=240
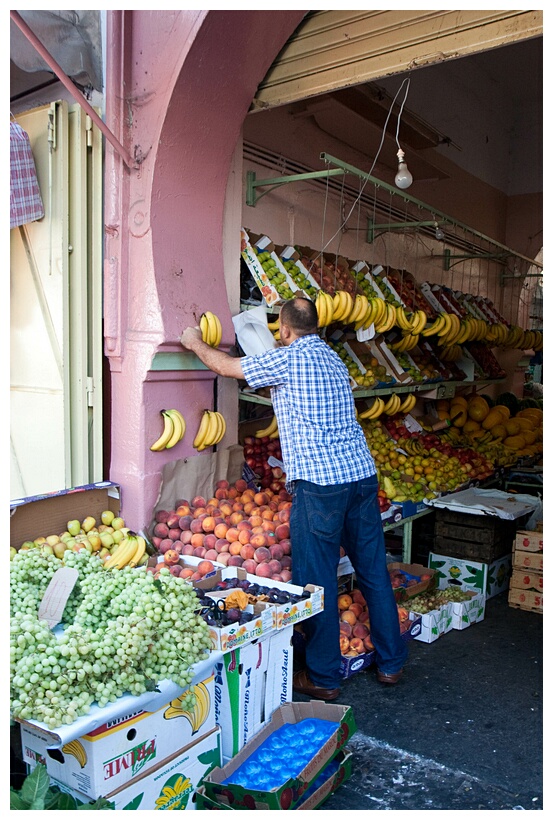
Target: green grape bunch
x=123, y=632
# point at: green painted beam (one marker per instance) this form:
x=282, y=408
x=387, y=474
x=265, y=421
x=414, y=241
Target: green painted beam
x=177, y=361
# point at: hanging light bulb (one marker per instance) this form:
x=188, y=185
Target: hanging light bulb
x=403, y=177
x=439, y=233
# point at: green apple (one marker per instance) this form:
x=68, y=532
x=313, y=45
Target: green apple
x=52, y=540
x=88, y=523
x=118, y=536
x=59, y=549
x=107, y=517
x=13, y=552
x=95, y=541
x=38, y=542
x=46, y=549
x=117, y=523
x=107, y=539
x=27, y=545
x=74, y=527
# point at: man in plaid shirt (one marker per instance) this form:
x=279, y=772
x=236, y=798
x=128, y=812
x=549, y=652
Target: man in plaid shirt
x=331, y=475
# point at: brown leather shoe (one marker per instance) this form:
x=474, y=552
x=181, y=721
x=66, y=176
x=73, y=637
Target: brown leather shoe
x=386, y=677
x=304, y=686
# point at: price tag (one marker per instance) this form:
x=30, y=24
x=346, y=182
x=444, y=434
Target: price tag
x=365, y=334
x=274, y=462
x=412, y=424
x=57, y=592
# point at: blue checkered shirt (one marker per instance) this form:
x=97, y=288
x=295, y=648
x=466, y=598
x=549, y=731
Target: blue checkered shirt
x=320, y=438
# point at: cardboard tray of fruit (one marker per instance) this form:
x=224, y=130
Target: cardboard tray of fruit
x=409, y=580
x=350, y=664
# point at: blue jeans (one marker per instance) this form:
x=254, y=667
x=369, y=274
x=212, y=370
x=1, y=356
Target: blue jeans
x=323, y=519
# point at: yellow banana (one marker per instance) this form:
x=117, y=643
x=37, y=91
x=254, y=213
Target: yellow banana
x=123, y=553
x=365, y=308
x=198, y=442
x=204, y=328
x=179, y=427
x=402, y=320
x=139, y=552
x=213, y=332
x=329, y=310
x=388, y=321
x=222, y=427
x=356, y=310
x=420, y=322
x=390, y=403
x=167, y=433
x=212, y=430
x=381, y=305
x=374, y=410
x=320, y=304
x=435, y=327
x=77, y=750
x=371, y=313
x=274, y=325
x=446, y=326
x=266, y=431
x=408, y=403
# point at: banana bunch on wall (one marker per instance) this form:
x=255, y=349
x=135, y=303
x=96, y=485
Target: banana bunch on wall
x=211, y=430
x=210, y=326
x=174, y=427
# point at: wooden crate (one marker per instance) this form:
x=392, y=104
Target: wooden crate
x=526, y=599
x=527, y=579
x=476, y=537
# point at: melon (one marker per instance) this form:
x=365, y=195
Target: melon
x=478, y=408
x=458, y=416
x=512, y=426
x=459, y=400
x=504, y=410
x=525, y=423
x=510, y=401
x=471, y=426
x=493, y=417
x=514, y=442
x=498, y=431
x=529, y=436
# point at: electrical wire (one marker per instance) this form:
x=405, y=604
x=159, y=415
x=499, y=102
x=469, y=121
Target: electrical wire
x=407, y=81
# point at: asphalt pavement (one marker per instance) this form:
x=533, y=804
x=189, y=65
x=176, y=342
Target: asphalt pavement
x=462, y=730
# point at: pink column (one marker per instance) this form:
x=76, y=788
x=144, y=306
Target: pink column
x=178, y=86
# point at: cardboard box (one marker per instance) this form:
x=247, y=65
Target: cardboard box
x=287, y=795
x=249, y=244
x=521, y=579
x=434, y=624
x=285, y=614
x=529, y=540
x=250, y=683
x=526, y=599
x=100, y=762
x=465, y=613
x=330, y=778
x=48, y=514
x=527, y=560
x=171, y=784
x=491, y=578
x=403, y=593
x=349, y=666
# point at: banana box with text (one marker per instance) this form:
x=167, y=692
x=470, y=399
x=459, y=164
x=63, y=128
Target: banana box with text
x=250, y=683
x=99, y=762
x=170, y=785
x=48, y=514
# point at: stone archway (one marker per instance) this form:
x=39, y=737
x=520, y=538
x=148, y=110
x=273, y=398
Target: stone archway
x=179, y=85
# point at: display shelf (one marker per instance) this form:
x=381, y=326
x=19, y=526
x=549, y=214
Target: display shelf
x=247, y=395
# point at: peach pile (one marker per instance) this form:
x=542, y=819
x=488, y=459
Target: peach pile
x=355, y=637
x=238, y=527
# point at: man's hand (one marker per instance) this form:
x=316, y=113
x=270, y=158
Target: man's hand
x=190, y=336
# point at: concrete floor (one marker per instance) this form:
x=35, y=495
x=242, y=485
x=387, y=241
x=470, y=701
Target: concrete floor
x=463, y=728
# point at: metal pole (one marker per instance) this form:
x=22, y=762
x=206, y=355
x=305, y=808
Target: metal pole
x=72, y=88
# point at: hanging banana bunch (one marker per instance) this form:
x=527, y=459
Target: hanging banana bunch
x=211, y=329
x=174, y=427
x=211, y=430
